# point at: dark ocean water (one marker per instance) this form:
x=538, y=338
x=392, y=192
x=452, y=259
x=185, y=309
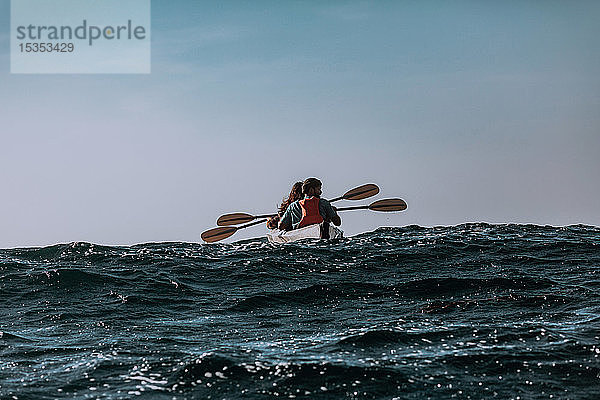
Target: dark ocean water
x=471, y=311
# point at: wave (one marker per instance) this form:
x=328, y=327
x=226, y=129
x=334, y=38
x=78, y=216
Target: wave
x=10, y=337
x=384, y=337
x=424, y=288
x=223, y=374
x=310, y=295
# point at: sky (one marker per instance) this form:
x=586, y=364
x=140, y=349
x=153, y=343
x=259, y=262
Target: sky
x=469, y=111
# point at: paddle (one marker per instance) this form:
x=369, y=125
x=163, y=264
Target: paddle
x=385, y=205
x=358, y=193
x=223, y=232
x=239, y=218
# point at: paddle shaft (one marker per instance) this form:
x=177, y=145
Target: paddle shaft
x=331, y=201
x=358, y=193
x=274, y=215
x=336, y=199
x=265, y=216
x=352, y=208
x=253, y=223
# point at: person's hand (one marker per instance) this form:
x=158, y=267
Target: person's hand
x=272, y=222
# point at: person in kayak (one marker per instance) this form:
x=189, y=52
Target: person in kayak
x=295, y=194
x=310, y=210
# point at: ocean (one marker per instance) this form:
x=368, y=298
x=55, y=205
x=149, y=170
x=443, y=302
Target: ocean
x=473, y=311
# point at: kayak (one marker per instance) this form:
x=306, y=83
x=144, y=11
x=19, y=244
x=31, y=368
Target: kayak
x=308, y=232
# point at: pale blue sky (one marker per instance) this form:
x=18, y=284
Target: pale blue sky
x=470, y=111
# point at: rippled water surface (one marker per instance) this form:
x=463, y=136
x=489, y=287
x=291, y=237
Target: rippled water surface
x=470, y=311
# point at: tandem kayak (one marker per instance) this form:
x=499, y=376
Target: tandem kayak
x=308, y=232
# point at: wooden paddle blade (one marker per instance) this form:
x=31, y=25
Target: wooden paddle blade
x=387, y=205
x=234, y=219
x=216, y=234
x=361, y=192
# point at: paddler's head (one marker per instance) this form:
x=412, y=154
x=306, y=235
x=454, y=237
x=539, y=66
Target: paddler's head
x=312, y=187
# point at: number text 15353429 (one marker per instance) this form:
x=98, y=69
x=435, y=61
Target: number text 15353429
x=46, y=47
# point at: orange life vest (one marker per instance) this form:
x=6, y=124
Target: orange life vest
x=310, y=212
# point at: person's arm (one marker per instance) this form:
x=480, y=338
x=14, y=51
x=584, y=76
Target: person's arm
x=285, y=223
x=336, y=220
x=328, y=213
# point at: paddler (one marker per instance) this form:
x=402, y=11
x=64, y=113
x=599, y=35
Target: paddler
x=295, y=194
x=310, y=210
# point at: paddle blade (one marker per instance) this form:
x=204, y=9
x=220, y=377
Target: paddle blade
x=234, y=219
x=216, y=234
x=361, y=192
x=388, y=205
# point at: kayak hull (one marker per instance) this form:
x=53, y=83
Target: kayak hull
x=308, y=232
